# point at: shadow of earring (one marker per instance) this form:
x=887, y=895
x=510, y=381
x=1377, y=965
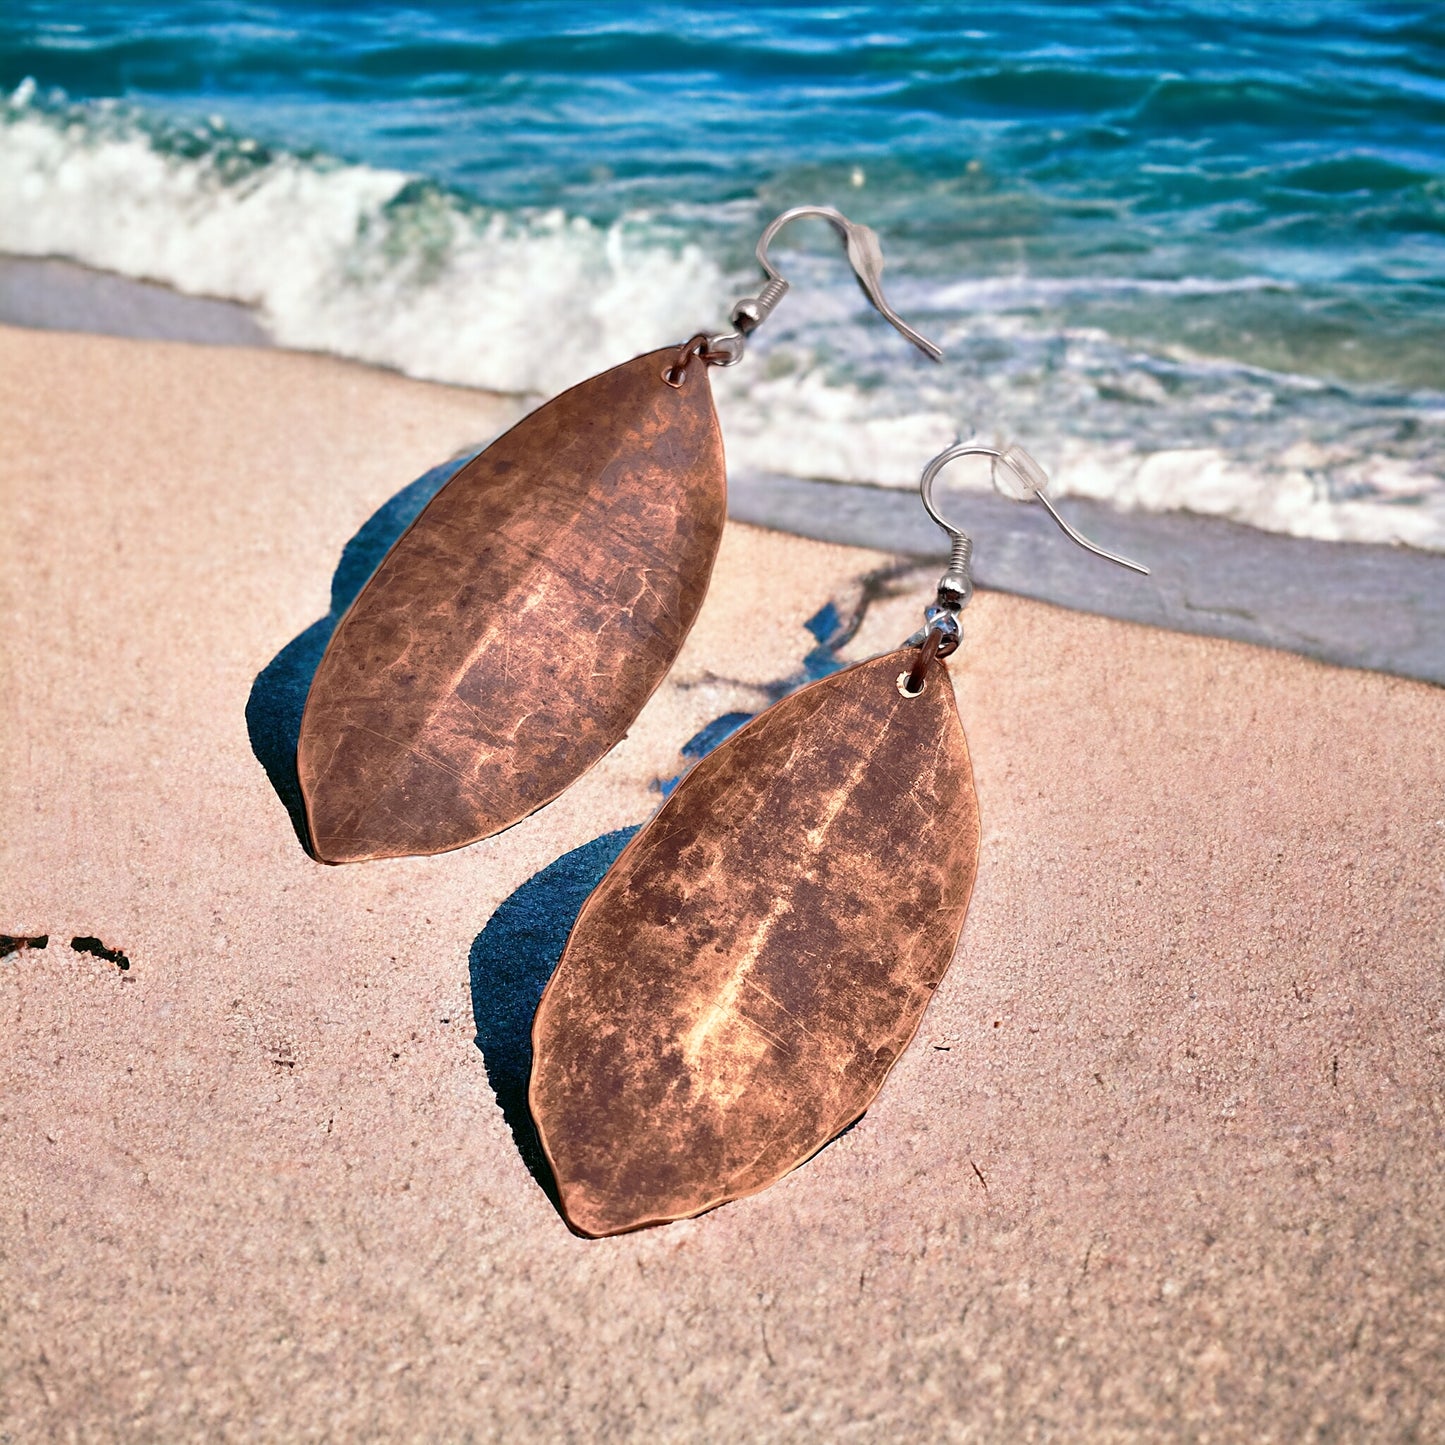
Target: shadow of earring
x=278, y=695
x=511, y=960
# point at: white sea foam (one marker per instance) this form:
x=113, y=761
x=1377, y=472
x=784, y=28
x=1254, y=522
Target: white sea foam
x=803, y=425
x=375, y=265
x=1289, y=496
x=347, y=258
x=1003, y=293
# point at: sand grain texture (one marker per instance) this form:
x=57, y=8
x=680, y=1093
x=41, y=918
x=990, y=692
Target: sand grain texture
x=1164, y=1161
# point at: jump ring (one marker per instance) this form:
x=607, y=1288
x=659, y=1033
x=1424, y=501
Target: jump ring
x=910, y=684
x=675, y=373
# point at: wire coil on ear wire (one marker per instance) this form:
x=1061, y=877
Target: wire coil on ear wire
x=960, y=555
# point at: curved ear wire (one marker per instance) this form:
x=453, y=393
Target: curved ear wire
x=865, y=255
x=1029, y=480
x=1024, y=480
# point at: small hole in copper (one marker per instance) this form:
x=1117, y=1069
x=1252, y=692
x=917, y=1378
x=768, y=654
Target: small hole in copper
x=903, y=686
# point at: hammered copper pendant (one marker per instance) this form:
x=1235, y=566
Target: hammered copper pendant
x=510, y=637
x=737, y=988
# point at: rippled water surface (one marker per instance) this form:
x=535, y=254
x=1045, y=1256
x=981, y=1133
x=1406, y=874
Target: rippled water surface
x=1192, y=255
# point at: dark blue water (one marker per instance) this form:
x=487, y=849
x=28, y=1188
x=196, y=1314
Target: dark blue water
x=1141, y=228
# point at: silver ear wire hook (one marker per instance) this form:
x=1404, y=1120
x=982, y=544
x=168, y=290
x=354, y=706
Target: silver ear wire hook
x=955, y=587
x=865, y=255
x=1031, y=480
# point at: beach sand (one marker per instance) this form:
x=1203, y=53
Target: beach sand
x=1163, y=1162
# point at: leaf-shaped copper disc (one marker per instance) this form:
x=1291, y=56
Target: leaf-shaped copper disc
x=513, y=633
x=736, y=989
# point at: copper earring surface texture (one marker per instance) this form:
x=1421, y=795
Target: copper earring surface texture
x=513, y=633
x=737, y=988
x=510, y=637
x=735, y=991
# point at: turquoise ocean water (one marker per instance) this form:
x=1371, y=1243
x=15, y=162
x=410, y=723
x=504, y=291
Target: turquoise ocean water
x=1192, y=255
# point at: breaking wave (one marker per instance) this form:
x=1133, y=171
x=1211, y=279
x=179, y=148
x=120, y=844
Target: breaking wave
x=394, y=269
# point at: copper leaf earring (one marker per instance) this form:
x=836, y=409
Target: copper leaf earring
x=737, y=988
x=510, y=637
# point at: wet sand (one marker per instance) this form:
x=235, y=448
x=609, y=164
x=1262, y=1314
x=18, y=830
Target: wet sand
x=1371, y=606
x=1163, y=1161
